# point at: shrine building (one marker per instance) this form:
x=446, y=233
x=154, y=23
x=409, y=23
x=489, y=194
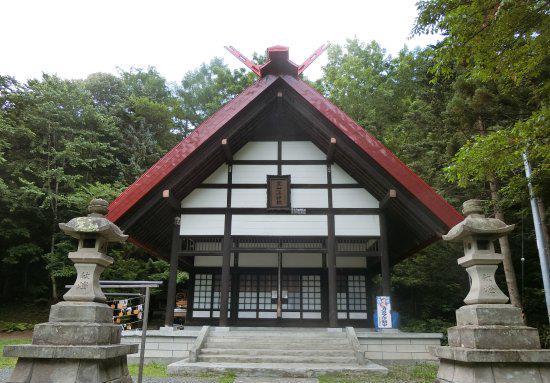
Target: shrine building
x=282, y=209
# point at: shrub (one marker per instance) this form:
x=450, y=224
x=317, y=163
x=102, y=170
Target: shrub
x=14, y=326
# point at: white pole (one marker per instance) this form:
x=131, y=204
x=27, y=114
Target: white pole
x=143, y=334
x=541, y=247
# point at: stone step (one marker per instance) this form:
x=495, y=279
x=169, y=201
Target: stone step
x=295, y=345
x=274, y=351
x=231, y=358
x=243, y=334
x=273, y=369
x=312, y=341
x=280, y=329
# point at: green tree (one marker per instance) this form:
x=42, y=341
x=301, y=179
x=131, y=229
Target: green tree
x=204, y=90
x=60, y=141
x=500, y=47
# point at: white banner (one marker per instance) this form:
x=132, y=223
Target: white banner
x=383, y=309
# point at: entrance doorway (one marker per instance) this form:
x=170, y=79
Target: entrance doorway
x=295, y=295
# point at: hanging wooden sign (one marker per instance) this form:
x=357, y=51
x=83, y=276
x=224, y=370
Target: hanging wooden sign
x=278, y=192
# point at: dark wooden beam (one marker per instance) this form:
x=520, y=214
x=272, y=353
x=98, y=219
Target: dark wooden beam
x=169, y=198
x=390, y=196
x=331, y=150
x=367, y=254
x=173, y=276
x=226, y=259
x=331, y=258
x=227, y=151
x=254, y=210
x=385, y=257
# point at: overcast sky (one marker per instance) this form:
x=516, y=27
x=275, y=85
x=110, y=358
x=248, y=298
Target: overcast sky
x=78, y=37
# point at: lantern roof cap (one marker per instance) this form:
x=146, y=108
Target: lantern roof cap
x=94, y=223
x=476, y=224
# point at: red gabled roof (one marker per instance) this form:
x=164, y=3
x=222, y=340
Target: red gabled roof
x=378, y=152
x=181, y=151
x=369, y=144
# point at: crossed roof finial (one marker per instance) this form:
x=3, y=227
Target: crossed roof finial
x=278, y=61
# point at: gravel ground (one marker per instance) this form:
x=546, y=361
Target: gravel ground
x=4, y=374
x=177, y=380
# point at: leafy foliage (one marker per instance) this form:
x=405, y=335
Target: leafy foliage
x=64, y=142
x=13, y=326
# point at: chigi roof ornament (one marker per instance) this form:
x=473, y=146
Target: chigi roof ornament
x=277, y=61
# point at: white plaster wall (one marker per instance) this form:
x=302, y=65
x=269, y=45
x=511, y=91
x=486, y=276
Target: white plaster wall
x=354, y=198
x=249, y=198
x=210, y=261
x=359, y=225
x=264, y=224
x=218, y=177
x=351, y=262
x=302, y=260
x=206, y=198
x=257, y=150
x=258, y=260
x=301, y=150
x=202, y=224
x=339, y=176
x=252, y=174
x=291, y=314
x=306, y=174
x=309, y=198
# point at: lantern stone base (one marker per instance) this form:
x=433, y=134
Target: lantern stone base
x=462, y=365
x=81, y=345
x=35, y=370
x=490, y=344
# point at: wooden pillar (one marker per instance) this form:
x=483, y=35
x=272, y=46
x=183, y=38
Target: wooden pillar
x=173, y=276
x=371, y=297
x=234, y=293
x=331, y=258
x=331, y=271
x=226, y=259
x=384, y=256
x=226, y=281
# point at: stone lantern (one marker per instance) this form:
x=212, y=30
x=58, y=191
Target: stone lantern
x=80, y=342
x=94, y=232
x=480, y=260
x=490, y=342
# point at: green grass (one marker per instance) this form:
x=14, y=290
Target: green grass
x=9, y=362
x=152, y=370
x=157, y=370
x=420, y=373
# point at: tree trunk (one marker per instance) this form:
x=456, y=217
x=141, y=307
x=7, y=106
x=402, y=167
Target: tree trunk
x=507, y=263
x=54, y=288
x=26, y=277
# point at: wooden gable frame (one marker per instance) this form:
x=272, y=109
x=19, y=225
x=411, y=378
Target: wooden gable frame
x=417, y=217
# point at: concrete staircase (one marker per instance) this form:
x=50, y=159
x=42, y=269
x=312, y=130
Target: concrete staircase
x=268, y=351
x=277, y=346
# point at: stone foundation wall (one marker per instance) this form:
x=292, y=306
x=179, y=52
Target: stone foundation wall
x=398, y=347
x=167, y=346
x=163, y=346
